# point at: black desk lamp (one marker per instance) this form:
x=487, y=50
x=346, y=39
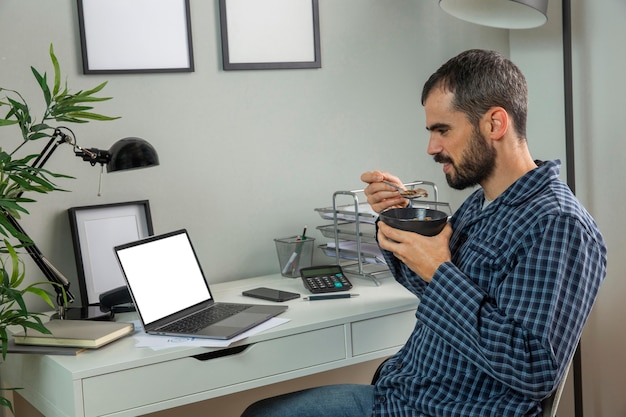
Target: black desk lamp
x=125, y=154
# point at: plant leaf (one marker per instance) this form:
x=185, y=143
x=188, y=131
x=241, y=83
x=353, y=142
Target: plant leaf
x=94, y=90
x=92, y=116
x=43, y=84
x=57, y=72
x=5, y=122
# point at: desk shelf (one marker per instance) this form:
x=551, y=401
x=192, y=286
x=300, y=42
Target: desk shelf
x=353, y=231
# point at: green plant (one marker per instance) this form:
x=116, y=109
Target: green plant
x=13, y=310
x=18, y=176
x=61, y=105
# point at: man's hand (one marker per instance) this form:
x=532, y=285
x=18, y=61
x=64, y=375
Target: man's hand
x=381, y=196
x=422, y=254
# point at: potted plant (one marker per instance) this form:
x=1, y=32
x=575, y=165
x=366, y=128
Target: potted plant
x=17, y=176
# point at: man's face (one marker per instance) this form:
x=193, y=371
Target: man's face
x=467, y=156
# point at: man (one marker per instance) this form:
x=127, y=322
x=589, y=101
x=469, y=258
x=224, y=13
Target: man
x=504, y=289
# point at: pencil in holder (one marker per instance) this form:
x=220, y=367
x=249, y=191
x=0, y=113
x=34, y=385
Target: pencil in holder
x=294, y=253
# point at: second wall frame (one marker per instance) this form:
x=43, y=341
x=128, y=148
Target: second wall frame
x=270, y=34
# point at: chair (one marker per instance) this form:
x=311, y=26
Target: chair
x=549, y=405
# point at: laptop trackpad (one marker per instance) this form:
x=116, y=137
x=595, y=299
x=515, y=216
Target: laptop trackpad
x=242, y=319
x=235, y=322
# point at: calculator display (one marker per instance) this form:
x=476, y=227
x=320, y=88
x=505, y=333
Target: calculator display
x=324, y=270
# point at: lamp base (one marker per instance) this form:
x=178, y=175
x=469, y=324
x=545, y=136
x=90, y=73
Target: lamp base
x=86, y=313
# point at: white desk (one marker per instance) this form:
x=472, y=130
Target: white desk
x=121, y=380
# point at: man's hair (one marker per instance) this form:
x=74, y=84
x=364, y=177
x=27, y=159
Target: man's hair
x=480, y=80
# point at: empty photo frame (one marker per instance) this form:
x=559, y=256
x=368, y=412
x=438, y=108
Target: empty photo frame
x=270, y=34
x=135, y=36
x=96, y=230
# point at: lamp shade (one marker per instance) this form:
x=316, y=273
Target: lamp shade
x=131, y=153
x=504, y=14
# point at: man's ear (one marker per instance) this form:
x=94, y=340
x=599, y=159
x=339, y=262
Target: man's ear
x=496, y=123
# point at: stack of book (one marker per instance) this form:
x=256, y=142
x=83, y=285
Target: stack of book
x=75, y=333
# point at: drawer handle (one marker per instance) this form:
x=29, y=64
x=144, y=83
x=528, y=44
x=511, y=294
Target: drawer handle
x=220, y=353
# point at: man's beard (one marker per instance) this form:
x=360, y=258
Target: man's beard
x=477, y=163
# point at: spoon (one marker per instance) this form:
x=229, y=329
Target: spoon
x=408, y=194
x=397, y=187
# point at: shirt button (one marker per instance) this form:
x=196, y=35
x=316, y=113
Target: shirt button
x=381, y=399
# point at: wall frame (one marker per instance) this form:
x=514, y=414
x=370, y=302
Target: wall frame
x=270, y=34
x=135, y=36
x=95, y=231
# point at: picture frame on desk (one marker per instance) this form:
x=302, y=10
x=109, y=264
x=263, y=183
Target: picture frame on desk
x=270, y=34
x=96, y=230
x=135, y=36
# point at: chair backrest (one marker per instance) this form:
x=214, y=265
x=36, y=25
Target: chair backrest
x=551, y=403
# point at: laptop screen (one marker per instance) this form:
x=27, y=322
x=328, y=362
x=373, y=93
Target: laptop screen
x=163, y=274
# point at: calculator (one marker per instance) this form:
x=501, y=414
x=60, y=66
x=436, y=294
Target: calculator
x=324, y=278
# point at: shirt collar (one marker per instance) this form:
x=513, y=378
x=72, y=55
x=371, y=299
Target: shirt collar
x=532, y=183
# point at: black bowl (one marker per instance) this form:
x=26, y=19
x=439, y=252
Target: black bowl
x=408, y=219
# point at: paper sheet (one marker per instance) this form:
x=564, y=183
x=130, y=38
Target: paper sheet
x=370, y=252
x=165, y=342
x=366, y=213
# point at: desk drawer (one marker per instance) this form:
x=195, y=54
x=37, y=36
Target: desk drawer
x=126, y=389
x=381, y=332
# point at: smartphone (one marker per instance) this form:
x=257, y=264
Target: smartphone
x=271, y=294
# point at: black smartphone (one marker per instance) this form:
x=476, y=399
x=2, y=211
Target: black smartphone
x=271, y=294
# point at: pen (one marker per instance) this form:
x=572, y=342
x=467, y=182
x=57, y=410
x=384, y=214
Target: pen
x=295, y=253
x=328, y=296
x=294, y=268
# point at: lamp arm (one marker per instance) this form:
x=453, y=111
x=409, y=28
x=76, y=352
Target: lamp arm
x=50, y=272
x=51, y=146
x=91, y=155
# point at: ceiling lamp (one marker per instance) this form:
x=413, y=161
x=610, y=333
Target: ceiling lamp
x=504, y=14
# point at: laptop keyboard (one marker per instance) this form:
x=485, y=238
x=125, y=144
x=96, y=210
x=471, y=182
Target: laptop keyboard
x=204, y=318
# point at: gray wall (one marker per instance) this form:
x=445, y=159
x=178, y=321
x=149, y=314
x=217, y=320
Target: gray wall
x=246, y=156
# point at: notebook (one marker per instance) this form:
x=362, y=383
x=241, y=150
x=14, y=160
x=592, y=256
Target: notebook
x=169, y=289
x=75, y=333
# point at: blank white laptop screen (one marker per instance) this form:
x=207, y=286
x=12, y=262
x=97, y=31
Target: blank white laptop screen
x=165, y=276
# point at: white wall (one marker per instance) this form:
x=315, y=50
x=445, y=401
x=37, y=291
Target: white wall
x=599, y=63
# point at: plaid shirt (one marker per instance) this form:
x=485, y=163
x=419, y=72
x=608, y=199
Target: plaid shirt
x=497, y=326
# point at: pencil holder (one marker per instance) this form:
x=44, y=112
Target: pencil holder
x=294, y=253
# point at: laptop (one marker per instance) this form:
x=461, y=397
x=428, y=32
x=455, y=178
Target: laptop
x=169, y=289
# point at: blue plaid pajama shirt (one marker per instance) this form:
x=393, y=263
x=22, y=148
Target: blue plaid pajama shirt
x=497, y=326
